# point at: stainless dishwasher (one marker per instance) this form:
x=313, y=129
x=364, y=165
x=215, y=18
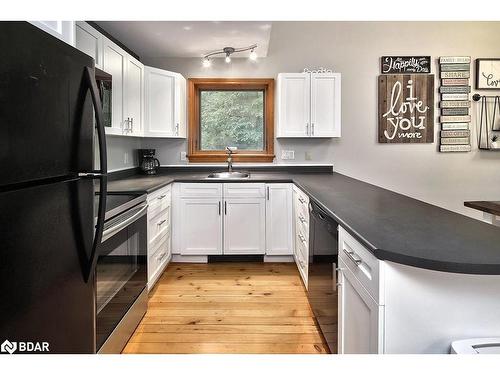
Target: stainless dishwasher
x=322, y=280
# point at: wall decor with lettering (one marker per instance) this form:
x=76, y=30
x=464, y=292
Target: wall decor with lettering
x=455, y=103
x=406, y=108
x=488, y=74
x=405, y=64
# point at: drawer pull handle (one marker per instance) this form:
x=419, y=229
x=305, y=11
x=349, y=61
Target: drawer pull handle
x=160, y=258
x=161, y=197
x=161, y=222
x=302, y=219
x=352, y=256
x=301, y=237
x=301, y=200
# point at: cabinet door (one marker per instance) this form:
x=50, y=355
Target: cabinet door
x=89, y=41
x=200, y=229
x=325, y=105
x=244, y=226
x=294, y=104
x=360, y=318
x=134, y=95
x=64, y=30
x=279, y=219
x=180, y=107
x=160, y=119
x=114, y=63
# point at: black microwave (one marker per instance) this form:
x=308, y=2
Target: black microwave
x=105, y=84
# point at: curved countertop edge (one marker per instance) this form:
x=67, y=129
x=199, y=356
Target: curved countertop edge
x=380, y=254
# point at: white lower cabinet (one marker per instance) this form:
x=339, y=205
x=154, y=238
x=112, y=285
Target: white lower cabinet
x=360, y=302
x=159, y=233
x=200, y=226
x=244, y=226
x=216, y=218
x=279, y=228
x=360, y=317
x=301, y=232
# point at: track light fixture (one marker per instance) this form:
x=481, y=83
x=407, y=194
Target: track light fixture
x=228, y=51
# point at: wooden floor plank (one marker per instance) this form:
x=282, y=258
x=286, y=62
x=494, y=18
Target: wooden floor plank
x=257, y=308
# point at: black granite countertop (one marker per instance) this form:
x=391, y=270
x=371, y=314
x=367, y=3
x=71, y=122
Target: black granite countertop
x=392, y=226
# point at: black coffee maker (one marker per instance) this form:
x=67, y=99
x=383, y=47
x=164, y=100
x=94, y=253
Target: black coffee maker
x=147, y=161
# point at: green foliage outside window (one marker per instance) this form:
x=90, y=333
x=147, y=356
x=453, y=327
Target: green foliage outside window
x=232, y=118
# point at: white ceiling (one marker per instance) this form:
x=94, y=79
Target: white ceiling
x=189, y=39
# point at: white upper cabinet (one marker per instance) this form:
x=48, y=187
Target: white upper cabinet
x=279, y=229
x=114, y=63
x=165, y=96
x=90, y=41
x=325, y=105
x=64, y=30
x=134, y=96
x=309, y=105
x=293, y=104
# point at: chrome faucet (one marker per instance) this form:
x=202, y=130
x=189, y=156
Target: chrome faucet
x=229, y=159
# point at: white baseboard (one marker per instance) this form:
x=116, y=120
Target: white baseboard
x=278, y=259
x=177, y=258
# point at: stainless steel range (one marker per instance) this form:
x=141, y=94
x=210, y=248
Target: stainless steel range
x=121, y=272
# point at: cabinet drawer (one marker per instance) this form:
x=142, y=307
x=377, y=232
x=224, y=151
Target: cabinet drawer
x=160, y=256
x=302, y=239
x=159, y=202
x=158, y=225
x=363, y=265
x=244, y=190
x=302, y=266
x=200, y=190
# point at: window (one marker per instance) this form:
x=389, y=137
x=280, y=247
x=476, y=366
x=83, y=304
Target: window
x=231, y=112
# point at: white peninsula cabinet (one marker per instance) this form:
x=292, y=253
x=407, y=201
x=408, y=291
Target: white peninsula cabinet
x=165, y=96
x=386, y=307
x=309, y=105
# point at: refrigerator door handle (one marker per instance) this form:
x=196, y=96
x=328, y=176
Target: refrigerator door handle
x=101, y=174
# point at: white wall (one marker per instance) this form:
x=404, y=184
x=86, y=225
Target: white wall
x=354, y=49
x=117, y=147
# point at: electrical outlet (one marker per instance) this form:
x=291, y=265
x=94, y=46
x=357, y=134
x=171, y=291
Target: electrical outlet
x=308, y=155
x=183, y=155
x=125, y=158
x=287, y=154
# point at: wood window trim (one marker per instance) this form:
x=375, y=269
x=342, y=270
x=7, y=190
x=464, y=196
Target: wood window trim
x=195, y=155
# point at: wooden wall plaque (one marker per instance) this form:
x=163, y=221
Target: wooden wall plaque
x=406, y=108
x=405, y=64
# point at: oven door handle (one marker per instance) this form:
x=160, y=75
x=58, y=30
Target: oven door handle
x=109, y=232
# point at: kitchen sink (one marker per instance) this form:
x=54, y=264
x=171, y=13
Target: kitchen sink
x=229, y=175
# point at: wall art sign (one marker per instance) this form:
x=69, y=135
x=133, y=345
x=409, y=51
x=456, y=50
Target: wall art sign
x=406, y=64
x=488, y=74
x=406, y=108
x=454, y=60
x=455, y=81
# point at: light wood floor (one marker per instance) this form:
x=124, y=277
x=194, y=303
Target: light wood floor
x=228, y=308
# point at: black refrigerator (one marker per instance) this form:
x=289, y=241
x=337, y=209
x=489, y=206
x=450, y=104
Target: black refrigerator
x=49, y=228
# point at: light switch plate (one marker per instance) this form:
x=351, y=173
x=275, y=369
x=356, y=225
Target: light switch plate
x=183, y=156
x=287, y=154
